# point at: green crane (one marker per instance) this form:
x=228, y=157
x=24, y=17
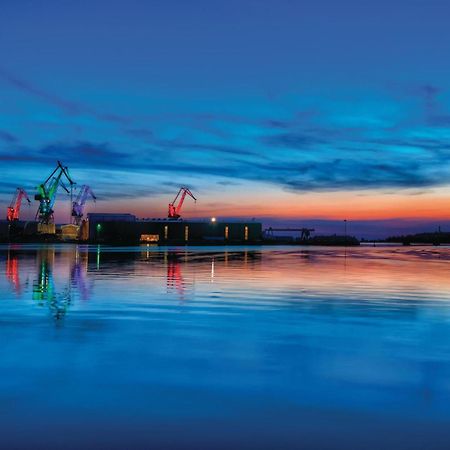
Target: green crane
x=47, y=193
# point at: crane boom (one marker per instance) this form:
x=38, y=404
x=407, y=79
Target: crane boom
x=175, y=209
x=13, y=212
x=80, y=201
x=47, y=192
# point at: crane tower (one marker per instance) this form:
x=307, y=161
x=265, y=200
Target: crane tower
x=47, y=193
x=174, y=207
x=80, y=201
x=13, y=212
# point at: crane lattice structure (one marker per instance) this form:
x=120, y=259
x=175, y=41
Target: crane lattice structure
x=13, y=212
x=79, y=203
x=47, y=193
x=174, y=208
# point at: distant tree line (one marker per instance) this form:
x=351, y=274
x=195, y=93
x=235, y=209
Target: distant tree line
x=436, y=238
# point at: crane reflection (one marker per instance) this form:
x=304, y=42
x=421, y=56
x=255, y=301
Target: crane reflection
x=44, y=292
x=12, y=272
x=72, y=268
x=78, y=274
x=64, y=276
x=175, y=280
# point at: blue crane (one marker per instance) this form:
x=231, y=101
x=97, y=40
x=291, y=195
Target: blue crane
x=80, y=201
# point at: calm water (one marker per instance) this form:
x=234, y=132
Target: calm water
x=224, y=347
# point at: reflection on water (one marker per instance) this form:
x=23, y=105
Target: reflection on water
x=237, y=347
x=12, y=272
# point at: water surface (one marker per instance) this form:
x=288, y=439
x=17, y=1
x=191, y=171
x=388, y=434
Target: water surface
x=215, y=347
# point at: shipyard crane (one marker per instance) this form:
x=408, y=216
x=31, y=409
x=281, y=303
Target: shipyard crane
x=14, y=208
x=80, y=201
x=175, y=209
x=47, y=193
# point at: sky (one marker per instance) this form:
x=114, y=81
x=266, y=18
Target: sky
x=296, y=113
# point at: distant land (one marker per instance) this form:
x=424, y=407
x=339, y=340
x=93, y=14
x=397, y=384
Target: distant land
x=437, y=238
x=363, y=229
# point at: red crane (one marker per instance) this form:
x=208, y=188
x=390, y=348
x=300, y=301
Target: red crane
x=14, y=208
x=175, y=209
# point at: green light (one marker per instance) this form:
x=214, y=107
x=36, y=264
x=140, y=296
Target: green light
x=99, y=227
x=98, y=257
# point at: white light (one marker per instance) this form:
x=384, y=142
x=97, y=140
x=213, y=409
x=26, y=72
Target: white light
x=213, y=219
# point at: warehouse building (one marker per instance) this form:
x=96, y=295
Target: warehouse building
x=126, y=228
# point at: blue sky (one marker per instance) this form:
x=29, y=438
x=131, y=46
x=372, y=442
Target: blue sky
x=291, y=111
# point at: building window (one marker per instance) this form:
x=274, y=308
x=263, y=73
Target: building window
x=186, y=233
x=246, y=233
x=166, y=231
x=226, y=232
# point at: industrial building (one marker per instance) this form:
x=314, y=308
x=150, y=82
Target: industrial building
x=126, y=228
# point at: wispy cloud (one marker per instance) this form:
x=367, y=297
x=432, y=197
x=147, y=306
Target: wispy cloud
x=7, y=137
x=325, y=173
x=306, y=151
x=68, y=107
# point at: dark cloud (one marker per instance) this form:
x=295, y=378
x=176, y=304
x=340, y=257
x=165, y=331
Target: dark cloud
x=207, y=147
x=442, y=120
x=108, y=117
x=79, y=154
x=298, y=154
x=360, y=175
x=84, y=153
x=22, y=85
x=293, y=140
x=294, y=172
x=140, y=133
x=435, y=148
x=429, y=92
x=277, y=124
x=8, y=187
x=20, y=156
x=8, y=137
x=433, y=112
x=171, y=188
x=66, y=106
x=424, y=91
x=108, y=191
x=127, y=191
x=228, y=183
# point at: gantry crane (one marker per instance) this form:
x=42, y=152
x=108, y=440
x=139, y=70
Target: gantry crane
x=47, y=193
x=80, y=201
x=175, y=209
x=14, y=208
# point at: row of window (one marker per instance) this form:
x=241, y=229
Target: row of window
x=155, y=237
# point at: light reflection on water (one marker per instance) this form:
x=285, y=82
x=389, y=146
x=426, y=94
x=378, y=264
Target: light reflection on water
x=283, y=347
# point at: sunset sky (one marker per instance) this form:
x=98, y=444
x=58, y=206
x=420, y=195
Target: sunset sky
x=292, y=112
